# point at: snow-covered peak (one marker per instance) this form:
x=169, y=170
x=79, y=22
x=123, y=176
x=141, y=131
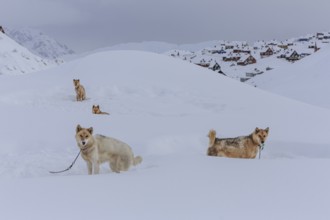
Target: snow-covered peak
x=39, y=43
x=15, y=59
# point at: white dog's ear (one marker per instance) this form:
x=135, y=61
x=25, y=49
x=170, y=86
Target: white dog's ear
x=79, y=128
x=90, y=130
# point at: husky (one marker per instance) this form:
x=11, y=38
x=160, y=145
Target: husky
x=239, y=147
x=80, y=90
x=96, y=110
x=98, y=149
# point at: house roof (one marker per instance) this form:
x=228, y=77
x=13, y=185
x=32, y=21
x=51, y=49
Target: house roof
x=244, y=57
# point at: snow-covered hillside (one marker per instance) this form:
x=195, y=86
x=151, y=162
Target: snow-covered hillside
x=39, y=43
x=158, y=46
x=15, y=59
x=307, y=80
x=163, y=108
x=232, y=56
x=242, y=60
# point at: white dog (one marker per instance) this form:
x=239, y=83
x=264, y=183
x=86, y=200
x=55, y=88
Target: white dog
x=98, y=149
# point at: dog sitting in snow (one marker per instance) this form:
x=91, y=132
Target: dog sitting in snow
x=98, y=149
x=96, y=110
x=80, y=90
x=239, y=147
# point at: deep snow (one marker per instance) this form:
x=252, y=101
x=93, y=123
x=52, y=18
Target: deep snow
x=163, y=108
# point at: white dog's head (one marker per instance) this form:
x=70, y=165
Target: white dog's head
x=83, y=136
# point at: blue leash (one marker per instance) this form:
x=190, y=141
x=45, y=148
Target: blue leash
x=261, y=147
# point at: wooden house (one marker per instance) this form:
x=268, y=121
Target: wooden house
x=203, y=63
x=246, y=60
x=293, y=57
x=229, y=47
x=283, y=46
x=267, y=53
x=215, y=67
x=231, y=58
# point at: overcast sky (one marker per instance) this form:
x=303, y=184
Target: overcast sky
x=90, y=24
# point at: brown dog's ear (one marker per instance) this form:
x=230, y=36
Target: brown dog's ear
x=267, y=129
x=79, y=128
x=90, y=130
x=256, y=130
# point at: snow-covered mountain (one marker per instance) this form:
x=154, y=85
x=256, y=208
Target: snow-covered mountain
x=163, y=108
x=39, y=43
x=16, y=59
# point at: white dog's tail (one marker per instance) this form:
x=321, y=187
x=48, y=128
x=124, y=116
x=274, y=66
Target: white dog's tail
x=137, y=160
x=212, y=136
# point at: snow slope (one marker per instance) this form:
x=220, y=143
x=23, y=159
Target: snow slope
x=153, y=46
x=307, y=80
x=15, y=59
x=163, y=108
x=39, y=43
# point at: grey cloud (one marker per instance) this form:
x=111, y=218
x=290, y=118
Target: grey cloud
x=85, y=24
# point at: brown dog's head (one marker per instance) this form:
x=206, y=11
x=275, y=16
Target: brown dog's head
x=76, y=82
x=261, y=135
x=95, y=109
x=83, y=136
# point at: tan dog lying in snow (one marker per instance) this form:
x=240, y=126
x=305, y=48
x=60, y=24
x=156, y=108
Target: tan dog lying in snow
x=96, y=110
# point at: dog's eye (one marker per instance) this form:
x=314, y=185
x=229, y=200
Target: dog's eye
x=86, y=136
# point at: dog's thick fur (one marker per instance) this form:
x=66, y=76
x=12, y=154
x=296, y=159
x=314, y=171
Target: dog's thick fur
x=80, y=90
x=96, y=110
x=239, y=147
x=98, y=149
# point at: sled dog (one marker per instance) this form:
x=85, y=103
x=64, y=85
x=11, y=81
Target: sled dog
x=98, y=149
x=80, y=90
x=239, y=147
x=96, y=110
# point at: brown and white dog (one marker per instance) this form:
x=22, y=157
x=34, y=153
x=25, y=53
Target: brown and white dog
x=80, y=90
x=96, y=110
x=98, y=149
x=239, y=147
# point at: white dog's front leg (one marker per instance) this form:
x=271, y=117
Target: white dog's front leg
x=89, y=167
x=96, y=168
